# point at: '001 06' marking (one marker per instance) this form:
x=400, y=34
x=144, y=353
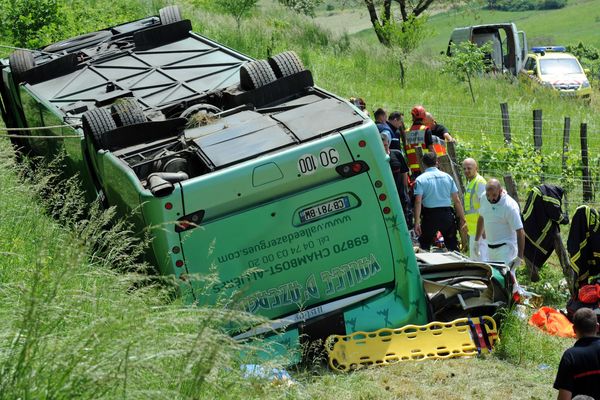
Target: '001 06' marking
x=327, y=158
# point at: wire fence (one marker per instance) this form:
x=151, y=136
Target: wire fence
x=530, y=147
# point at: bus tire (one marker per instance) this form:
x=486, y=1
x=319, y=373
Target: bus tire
x=286, y=63
x=127, y=111
x=96, y=122
x=256, y=74
x=169, y=14
x=79, y=42
x=20, y=62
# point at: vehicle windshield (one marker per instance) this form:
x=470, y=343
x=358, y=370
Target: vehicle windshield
x=559, y=66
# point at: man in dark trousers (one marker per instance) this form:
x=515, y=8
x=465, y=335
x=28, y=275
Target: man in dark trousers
x=400, y=172
x=435, y=191
x=579, y=369
x=380, y=116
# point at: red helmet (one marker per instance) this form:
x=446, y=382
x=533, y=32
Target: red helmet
x=418, y=112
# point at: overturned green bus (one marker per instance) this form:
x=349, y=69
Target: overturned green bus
x=238, y=166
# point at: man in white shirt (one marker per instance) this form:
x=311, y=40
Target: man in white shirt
x=500, y=216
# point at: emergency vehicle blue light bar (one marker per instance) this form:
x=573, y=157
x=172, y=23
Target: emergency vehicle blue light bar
x=543, y=49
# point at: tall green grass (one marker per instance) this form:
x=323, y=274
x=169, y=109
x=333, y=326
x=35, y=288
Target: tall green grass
x=78, y=318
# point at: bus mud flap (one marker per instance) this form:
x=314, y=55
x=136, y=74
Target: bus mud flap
x=436, y=340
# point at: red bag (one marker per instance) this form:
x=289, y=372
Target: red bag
x=552, y=321
x=589, y=294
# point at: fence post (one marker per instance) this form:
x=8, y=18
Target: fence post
x=565, y=155
x=511, y=187
x=596, y=181
x=585, y=170
x=563, y=257
x=537, y=136
x=505, y=122
x=451, y=147
x=447, y=166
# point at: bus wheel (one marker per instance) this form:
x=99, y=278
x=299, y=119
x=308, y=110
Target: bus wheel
x=127, y=111
x=169, y=14
x=256, y=74
x=79, y=42
x=96, y=122
x=20, y=62
x=286, y=63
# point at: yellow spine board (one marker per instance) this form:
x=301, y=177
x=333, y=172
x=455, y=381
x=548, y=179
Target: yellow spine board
x=436, y=340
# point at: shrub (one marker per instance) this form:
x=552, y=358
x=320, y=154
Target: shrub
x=26, y=20
x=306, y=7
x=552, y=4
x=525, y=5
x=588, y=56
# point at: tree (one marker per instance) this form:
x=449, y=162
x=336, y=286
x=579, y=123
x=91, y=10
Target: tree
x=306, y=7
x=237, y=8
x=409, y=9
x=467, y=60
x=403, y=38
x=28, y=20
x=588, y=56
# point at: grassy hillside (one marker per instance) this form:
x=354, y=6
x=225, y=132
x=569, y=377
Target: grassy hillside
x=74, y=327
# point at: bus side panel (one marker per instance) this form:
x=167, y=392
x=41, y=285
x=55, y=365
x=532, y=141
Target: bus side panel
x=12, y=104
x=160, y=216
x=405, y=304
x=39, y=114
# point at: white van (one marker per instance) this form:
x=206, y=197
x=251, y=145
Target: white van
x=509, y=46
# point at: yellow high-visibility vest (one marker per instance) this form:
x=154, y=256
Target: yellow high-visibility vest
x=472, y=203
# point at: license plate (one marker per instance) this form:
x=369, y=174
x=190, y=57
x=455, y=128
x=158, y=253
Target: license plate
x=568, y=93
x=324, y=209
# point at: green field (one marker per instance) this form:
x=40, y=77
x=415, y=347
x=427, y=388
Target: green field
x=74, y=326
x=578, y=21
